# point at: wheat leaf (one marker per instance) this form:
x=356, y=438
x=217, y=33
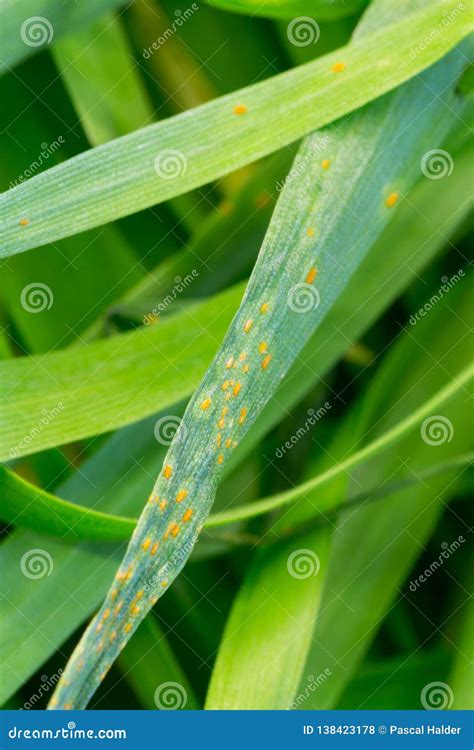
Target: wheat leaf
x=175, y=156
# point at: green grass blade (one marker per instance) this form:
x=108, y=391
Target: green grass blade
x=213, y=140
x=26, y=28
x=22, y=503
x=342, y=630
x=117, y=477
x=102, y=80
x=264, y=339
x=327, y=10
x=391, y=437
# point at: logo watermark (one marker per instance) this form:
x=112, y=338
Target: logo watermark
x=48, y=416
x=47, y=150
x=180, y=18
x=313, y=417
x=36, y=31
x=313, y=682
x=437, y=696
x=445, y=554
x=36, y=563
x=449, y=17
x=436, y=164
x=170, y=696
x=303, y=31
x=437, y=430
x=36, y=297
x=303, y=563
x=180, y=285
x=447, y=283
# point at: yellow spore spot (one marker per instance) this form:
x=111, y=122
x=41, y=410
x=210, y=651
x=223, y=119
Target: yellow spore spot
x=106, y=614
x=175, y=530
x=338, y=67
x=245, y=368
x=113, y=635
x=221, y=423
x=127, y=627
x=146, y=544
x=99, y=627
x=225, y=385
x=326, y=164
x=206, y=404
x=262, y=347
x=266, y=361
x=164, y=584
x=264, y=308
x=392, y=199
x=163, y=504
x=229, y=363
x=24, y=222
x=228, y=443
x=219, y=439
x=220, y=458
x=310, y=232
x=113, y=593
x=311, y=275
x=140, y=594
x=181, y=495
x=187, y=515
x=243, y=414
x=240, y=109
x=154, y=549
x=167, y=472
x=135, y=610
x=226, y=408
x=243, y=356
x=118, y=608
x=237, y=388
x=248, y=325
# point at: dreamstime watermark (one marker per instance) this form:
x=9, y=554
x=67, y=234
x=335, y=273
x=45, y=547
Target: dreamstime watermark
x=313, y=417
x=47, y=150
x=71, y=732
x=36, y=297
x=302, y=164
x=179, y=286
x=179, y=556
x=447, y=283
x=436, y=164
x=313, y=682
x=445, y=554
x=36, y=563
x=36, y=31
x=435, y=33
x=303, y=31
x=437, y=696
x=48, y=416
x=181, y=17
x=303, y=298
x=303, y=563
x=169, y=428
x=437, y=430
x=170, y=696
x=46, y=684
x=170, y=164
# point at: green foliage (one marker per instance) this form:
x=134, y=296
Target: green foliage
x=283, y=340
